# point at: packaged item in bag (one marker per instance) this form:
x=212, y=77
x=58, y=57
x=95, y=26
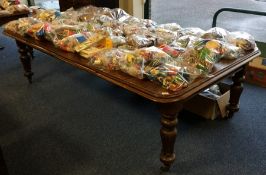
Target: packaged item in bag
x=69, y=43
x=92, y=41
x=11, y=26
x=36, y=30
x=46, y=15
x=170, y=26
x=4, y=4
x=139, y=41
x=231, y=51
x=172, y=51
x=192, y=31
x=164, y=36
x=216, y=33
x=22, y=25
x=242, y=39
x=19, y=8
x=203, y=55
x=107, y=59
x=132, y=64
x=167, y=75
x=90, y=52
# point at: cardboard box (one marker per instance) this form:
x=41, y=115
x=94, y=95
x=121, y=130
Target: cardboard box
x=256, y=71
x=210, y=108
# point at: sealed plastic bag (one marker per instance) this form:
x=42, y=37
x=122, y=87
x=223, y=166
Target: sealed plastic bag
x=216, y=33
x=69, y=43
x=242, y=39
x=107, y=59
x=36, y=30
x=167, y=75
x=139, y=41
x=46, y=15
x=165, y=36
x=19, y=8
x=132, y=64
x=172, y=51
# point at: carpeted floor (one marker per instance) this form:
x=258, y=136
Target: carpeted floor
x=69, y=122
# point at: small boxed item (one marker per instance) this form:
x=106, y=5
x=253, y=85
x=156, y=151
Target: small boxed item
x=256, y=71
x=211, y=103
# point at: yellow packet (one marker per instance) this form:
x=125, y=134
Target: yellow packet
x=92, y=41
x=87, y=53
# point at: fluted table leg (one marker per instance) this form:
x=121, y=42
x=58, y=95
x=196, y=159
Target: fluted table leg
x=25, y=59
x=169, y=113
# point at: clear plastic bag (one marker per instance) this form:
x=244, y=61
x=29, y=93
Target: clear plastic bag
x=36, y=30
x=46, y=15
x=242, y=39
x=232, y=52
x=203, y=55
x=170, y=26
x=164, y=36
x=22, y=25
x=71, y=42
x=95, y=40
x=19, y=8
x=130, y=29
x=167, y=75
x=57, y=32
x=216, y=33
x=132, y=64
x=107, y=59
x=172, y=51
x=192, y=31
x=139, y=41
x=4, y=4
x=119, y=14
x=185, y=41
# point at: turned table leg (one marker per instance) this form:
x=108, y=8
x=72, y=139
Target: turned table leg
x=30, y=51
x=169, y=113
x=235, y=92
x=25, y=58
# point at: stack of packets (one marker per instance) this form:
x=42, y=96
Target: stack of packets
x=111, y=39
x=8, y=8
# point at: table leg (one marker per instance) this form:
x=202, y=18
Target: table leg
x=30, y=51
x=3, y=168
x=25, y=60
x=235, y=92
x=169, y=113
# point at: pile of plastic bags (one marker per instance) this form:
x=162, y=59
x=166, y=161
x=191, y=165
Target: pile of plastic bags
x=112, y=39
x=7, y=8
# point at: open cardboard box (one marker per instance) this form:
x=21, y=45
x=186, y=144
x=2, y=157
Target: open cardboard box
x=210, y=108
x=256, y=71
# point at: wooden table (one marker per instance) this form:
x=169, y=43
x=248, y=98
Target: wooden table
x=169, y=103
x=5, y=18
x=10, y=17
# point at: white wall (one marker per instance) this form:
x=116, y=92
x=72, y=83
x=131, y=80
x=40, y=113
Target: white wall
x=133, y=7
x=24, y=2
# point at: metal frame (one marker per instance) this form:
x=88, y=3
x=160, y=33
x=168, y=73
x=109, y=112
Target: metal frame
x=237, y=11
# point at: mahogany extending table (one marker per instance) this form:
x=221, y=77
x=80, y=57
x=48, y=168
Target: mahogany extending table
x=4, y=18
x=169, y=103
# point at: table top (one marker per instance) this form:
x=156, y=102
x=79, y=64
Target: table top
x=4, y=18
x=145, y=88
